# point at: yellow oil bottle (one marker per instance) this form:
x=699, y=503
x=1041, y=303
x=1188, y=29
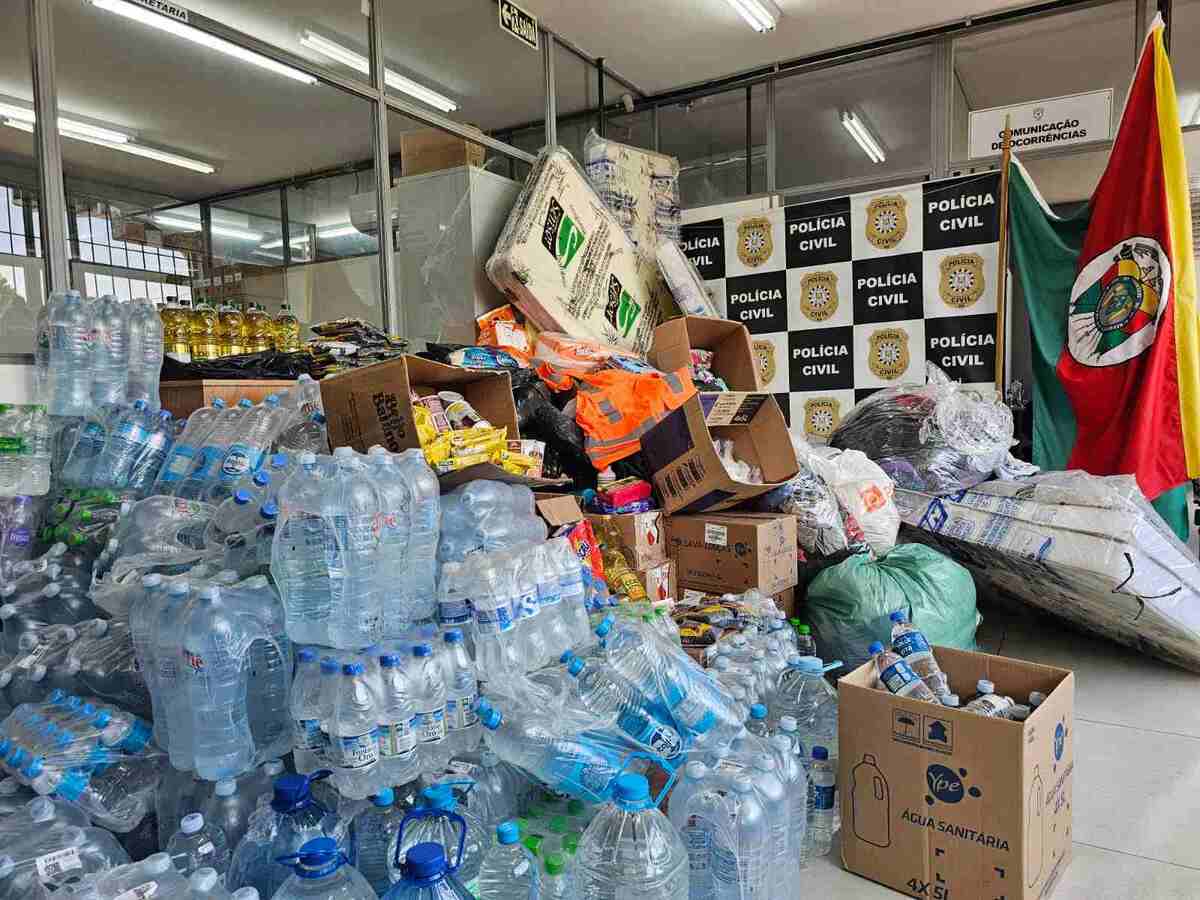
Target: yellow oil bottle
x=287, y=330
x=176, y=322
x=259, y=329
x=229, y=330
x=202, y=332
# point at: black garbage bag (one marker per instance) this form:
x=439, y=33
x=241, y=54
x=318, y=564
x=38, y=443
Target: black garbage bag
x=263, y=365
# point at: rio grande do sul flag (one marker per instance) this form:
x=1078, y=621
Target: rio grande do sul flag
x=1111, y=294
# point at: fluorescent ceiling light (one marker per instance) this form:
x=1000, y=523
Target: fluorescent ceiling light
x=331, y=231
x=863, y=137
x=219, y=230
x=65, y=124
x=196, y=36
x=174, y=159
x=761, y=15
x=359, y=63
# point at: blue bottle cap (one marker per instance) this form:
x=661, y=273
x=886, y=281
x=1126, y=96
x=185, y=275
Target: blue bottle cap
x=439, y=796
x=758, y=711
x=319, y=418
x=329, y=665
x=269, y=510
x=490, y=718
x=631, y=788
x=876, y=647
x=219, y=403
x=306, y=654
x=244, y=403
x=289, y=792
x=384, y=798
x=454, y=636
x=898, y=616
x=389, y=660
x=567, y=656
x=422, y=650
x=262, y=479
x=165, y=416
x=575, y=666
x=508, y=833
x=426, y=862
x=241, y=497
x=604, y=627
x=353, y=669
x=820, y=753
x=279, y=460
x=318, y=858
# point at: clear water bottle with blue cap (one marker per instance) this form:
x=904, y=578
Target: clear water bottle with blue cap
x=154, y=453
x=126, y=441
x=396, y=502
x=803, y=692
x=606, y=694
x=353, y=750
x=247, y=448
x=428, y=682
x=351, y=506
x=439, y=819
x=206, y=464
x=322, y=872
x=235, y=515
x=428, y=876
x=509, y=871
x=298, y=562
x=632, y=849
x=187, y=445
x=374, y=829
x=910, y=643
x=308, y=743
x=823, y=790
x=70, y=366
x=110, y=350
x=424, y=532
x=462, y=694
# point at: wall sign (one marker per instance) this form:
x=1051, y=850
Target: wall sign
x=845, y=296
x=518, y=23
x=1055, y=122
x=174, y=10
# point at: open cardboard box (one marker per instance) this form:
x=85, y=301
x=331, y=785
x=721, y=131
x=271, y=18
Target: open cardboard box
x=373, y=405
x=734, y=359
x=940, y=802
x=687, y=471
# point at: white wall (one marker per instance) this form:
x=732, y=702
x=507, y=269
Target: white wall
x=16, y=383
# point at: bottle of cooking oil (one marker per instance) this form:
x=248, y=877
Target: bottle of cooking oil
x=176, y=322
x=260, y=329
x=621, y=578
x=203, y=332
x=229, y=330
x=287, y=330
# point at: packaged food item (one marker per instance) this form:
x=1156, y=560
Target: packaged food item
x=461, y=413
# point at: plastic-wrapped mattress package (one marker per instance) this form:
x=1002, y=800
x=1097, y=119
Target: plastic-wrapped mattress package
x=565, y=262
x=1088, y=549
x=682, y=277
x=937, y=437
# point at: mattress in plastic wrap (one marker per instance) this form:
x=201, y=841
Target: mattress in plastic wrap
x=1088, y=549
x=565, y=262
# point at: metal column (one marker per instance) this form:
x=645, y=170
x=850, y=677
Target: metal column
x=941, y=117
x=550, y=88
x=600, y=91
x=45, y=136
x=393, y=319
x=749, y=139
x=770, y=185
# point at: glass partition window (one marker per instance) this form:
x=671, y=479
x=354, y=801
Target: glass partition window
x=708, y=135
x=321, y=215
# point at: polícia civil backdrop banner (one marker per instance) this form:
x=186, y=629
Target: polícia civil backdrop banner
x=849, y=295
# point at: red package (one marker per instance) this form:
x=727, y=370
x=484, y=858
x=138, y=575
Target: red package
x=587, y=548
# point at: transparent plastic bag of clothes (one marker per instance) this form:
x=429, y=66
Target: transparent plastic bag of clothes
x=864, y=492
x=938, y=437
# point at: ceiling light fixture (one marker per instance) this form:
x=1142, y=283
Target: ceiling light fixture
x=21, y=114
x=329, y=232
x=359, y=63
x=127, y=146
x=196, y=36
x=219, y=230
x=863, y=137
x=761, y=15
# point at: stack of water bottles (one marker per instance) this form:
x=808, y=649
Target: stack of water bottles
x=25, y=441
x=120, y=446
x=20, y=517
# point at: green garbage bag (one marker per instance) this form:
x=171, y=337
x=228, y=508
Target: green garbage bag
x=848, y=604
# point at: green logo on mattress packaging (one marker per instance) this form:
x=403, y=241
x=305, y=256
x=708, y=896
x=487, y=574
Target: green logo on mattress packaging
x=621, y=310
x=560, y=235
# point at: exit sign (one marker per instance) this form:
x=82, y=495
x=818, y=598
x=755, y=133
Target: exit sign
x=519, y=24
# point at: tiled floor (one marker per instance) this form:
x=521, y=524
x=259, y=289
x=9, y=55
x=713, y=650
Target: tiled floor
x=1137, y=773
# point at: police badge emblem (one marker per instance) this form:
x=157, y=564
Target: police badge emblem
x=887, y=221
x=962, y=281
x=819, y=295
x=821, y=416
x=754, y=243
x=887, y=355
x=764, y=356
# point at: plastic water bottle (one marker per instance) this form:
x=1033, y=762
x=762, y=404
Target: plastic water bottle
x=795, y=782
x=353, y=741
x=323, y=872
x=454, y=605
x=989, y=703
x=497, y=648
x=41, y=350
x=307, y=434
x=429, y=699
x=110, y=350
x=298, y=562
x=145, y=351
x=757, y=722
x=186, y=447
x=351, y=505
x=462, y=693
x=897, y=675
x=910, y=643
x=375, y=828
x=555, y=627
x=214, y=683
x=154, y=453
x=229, y=809
x=631, y=849
x=558, y=882
x=307, y=741
x=155, y=876
x=424, y=534
x=606, y=694
x=428, y=876
x=207, y=882
x=397, y=742
x=19, y=517
x=197, y=845
x=175, y=734
x=396, y=502
x=70, y=356
x=437, y=820
x=206, y=464
x=256, y=429
x=126, y=441
x=509, y=871
x=522, y=588
x=570, y=585
x=824, y=789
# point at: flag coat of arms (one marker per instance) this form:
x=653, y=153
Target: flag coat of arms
x=1111, y=294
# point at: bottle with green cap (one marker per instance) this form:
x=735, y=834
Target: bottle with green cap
x=556, y=883
x=807, y=645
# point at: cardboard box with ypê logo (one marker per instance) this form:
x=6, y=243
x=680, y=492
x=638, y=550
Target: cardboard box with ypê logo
x=943, y=803
x=734, y=552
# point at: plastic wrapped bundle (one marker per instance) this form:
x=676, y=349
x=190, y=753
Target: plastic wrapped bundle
x=487, y=515
x=52, y=854
x=106, y=666
x=938, y=437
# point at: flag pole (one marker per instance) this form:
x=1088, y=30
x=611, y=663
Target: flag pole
x=1002, y=264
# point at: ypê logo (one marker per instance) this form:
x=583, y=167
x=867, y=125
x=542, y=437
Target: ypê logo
x=944, y=783
x=1060, y=740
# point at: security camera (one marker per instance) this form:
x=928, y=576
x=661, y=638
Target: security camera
x=627, y=102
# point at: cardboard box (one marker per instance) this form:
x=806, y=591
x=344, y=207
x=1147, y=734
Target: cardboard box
x=733, y=552
x=660, y=582
x=182, y=398
x=734, y=359
x=431, y=149
x=643, y=538
x=939, y=802
x=373, y=405
x=687, y=471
